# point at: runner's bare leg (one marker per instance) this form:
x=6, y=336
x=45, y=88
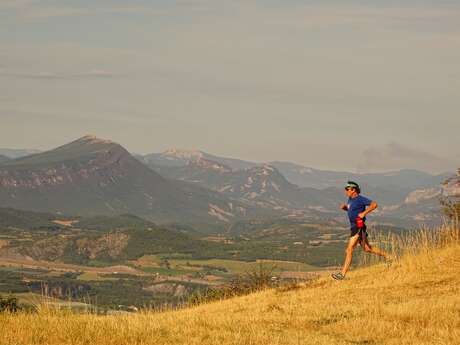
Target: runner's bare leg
x=369, y=249
x=352, y=242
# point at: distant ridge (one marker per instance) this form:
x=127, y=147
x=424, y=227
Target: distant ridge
x=92, y=176
x=310, y=177
x=181, y=157
x=300, y=175
x=16, y=153
x=303, y=192
x=4, y=159
x=86, y=146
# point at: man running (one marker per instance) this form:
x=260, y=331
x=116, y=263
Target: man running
x=358, y=208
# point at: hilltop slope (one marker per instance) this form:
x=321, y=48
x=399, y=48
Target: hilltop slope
x=415, y=301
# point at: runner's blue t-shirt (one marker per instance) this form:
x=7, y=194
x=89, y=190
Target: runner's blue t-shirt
x=355, y=207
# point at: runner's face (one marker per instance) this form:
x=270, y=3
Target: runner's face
x=350, y=192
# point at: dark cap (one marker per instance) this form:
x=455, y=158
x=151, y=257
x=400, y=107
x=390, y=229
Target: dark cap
x=352, y=184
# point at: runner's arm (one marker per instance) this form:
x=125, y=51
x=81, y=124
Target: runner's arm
x=368, y=210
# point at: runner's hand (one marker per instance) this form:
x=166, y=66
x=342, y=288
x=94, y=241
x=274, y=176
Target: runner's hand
x=362, y=215
x=344, y=207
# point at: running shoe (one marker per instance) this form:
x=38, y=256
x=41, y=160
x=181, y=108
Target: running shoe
x=338, y=276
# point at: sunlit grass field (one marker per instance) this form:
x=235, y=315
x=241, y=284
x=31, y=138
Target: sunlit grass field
x=415, y=300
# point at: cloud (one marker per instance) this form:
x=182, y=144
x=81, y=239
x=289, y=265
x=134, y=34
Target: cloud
x=45, y=13
x=14, y=4
x=311, y=14
x=34, y=9
x=94, y=74
x=54, y=75
x=31, y=10
x=396, y=156
x=31, y=75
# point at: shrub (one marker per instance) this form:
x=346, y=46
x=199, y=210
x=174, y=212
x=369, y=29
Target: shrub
x=9, y=304
x=253, y=280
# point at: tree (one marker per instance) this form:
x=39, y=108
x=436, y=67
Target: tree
x=450, y=200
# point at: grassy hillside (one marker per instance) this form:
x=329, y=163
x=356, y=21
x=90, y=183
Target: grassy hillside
x=416, y=300
x=12, y=218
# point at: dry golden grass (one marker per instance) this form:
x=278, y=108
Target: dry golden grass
x=416, y=300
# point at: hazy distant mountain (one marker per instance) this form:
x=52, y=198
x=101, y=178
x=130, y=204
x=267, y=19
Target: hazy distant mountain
x=391, y=187
x=201, y=171
x=407, y=179
x=310, y=177
x=423, y=205
x=261, y=186
x=4, y=159
x=265, y=186
x=407, y=196
x=176, y=157
x=16, y=153
x=92, y=176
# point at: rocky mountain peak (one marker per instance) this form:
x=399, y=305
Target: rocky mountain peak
x=264, y=179
x=206, y=164
x=82, y=149
x=420, y=195
x=183, y=154
x=92, y=139
x=88, y=137
x=85, y=159
x=264, y=170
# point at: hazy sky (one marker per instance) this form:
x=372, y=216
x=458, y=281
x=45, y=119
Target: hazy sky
x=367, y=85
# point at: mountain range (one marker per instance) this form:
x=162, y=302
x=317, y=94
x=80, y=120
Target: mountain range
x=407, y=197
x=92, y=176
x=261, y=185
x=176, y=158
x=302, y=176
